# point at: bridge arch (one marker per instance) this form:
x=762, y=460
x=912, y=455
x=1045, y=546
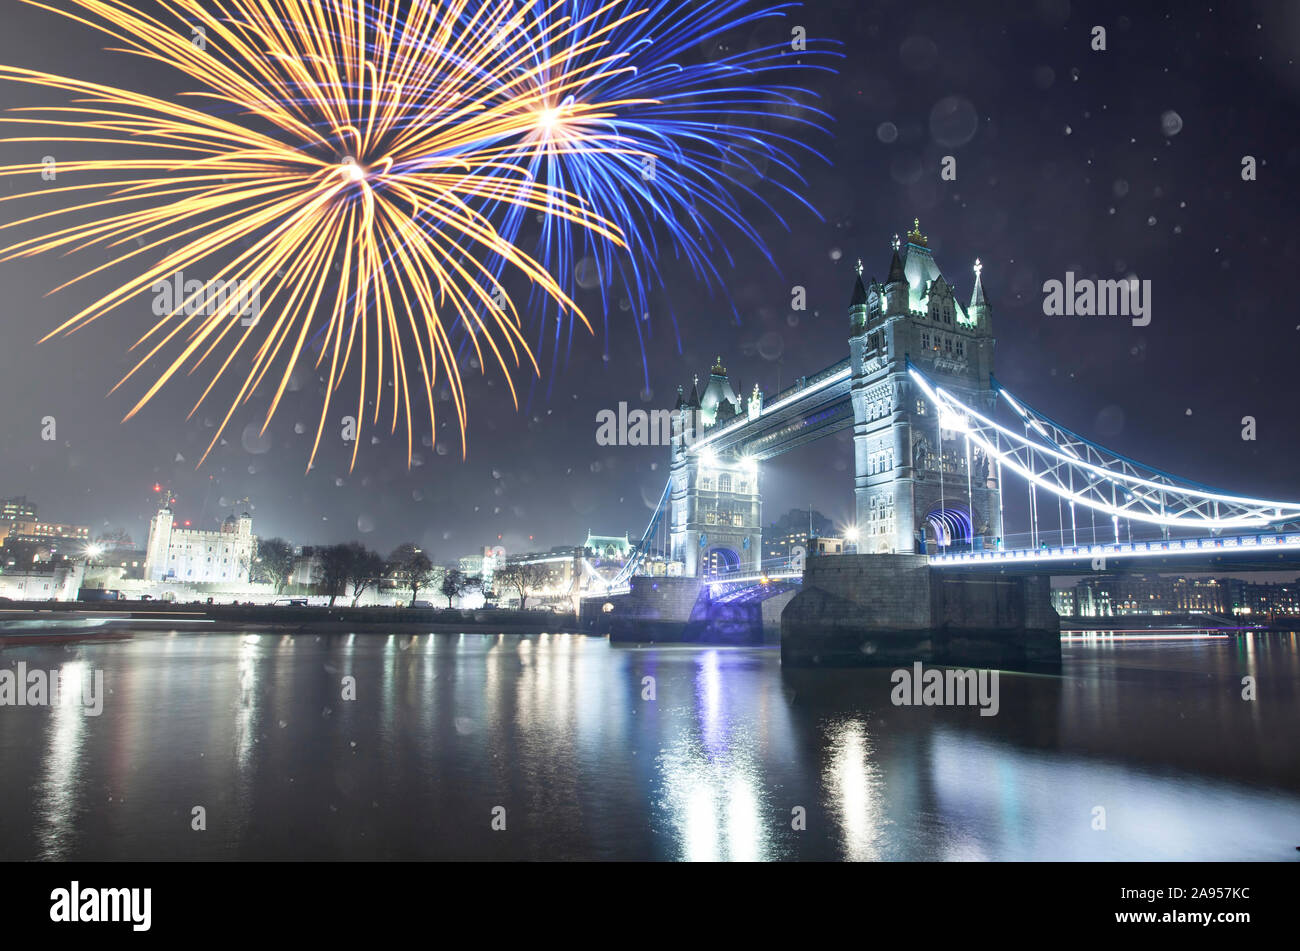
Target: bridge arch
x=948, y=527
x=722, y=560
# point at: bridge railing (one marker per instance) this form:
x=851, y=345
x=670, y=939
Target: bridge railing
x=1216, y=544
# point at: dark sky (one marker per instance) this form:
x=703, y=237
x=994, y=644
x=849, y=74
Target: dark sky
x=1067, y=164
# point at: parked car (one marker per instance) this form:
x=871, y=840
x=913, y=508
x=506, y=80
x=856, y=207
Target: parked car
x=289, y=602
x=421, y=604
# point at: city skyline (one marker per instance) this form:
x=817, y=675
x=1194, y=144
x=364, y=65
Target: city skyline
x=1172, y=393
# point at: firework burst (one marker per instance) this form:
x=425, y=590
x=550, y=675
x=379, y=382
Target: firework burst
x=366, y=166
x=679, y=165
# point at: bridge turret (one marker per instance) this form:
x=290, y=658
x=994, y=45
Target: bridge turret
x=896, y=289
x=719, y=401
x=979, y=307
x=858, y=303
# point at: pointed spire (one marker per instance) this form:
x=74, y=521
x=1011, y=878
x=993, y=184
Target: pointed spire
x=915, y=237
x=979, y=308
x=895, y=266
x=680, y=399
x=694, y=401
x=859, y=298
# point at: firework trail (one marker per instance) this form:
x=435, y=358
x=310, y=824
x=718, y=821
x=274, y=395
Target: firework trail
x=368, y=168
x=673, y=169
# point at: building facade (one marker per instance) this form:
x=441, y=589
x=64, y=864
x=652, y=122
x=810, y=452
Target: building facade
x=17, y=508
x=716, y=509
x=919, y=486
x=793, y=531
x=196, y=555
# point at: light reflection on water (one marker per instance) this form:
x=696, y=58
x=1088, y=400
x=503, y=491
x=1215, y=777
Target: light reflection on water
x=57, y=791
x=554, y=729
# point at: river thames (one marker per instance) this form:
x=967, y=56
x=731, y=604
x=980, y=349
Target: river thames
x=1139, y=749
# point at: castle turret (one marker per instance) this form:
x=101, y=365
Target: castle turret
x=160, y=538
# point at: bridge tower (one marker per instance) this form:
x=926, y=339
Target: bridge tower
x=715, y=507
x=918, y=485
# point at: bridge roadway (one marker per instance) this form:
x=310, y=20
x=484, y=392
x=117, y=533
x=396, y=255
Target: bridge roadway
x=814, y=407
x=1260, y=551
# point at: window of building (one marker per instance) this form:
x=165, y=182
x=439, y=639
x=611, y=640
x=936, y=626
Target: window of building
x=961, y=348
x=925, y=341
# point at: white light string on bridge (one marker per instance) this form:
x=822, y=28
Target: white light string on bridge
x=1157, y=501
x=646, y=544
x=838, y=376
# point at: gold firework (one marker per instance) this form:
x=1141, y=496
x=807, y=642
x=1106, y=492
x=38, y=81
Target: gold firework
x=341, y=159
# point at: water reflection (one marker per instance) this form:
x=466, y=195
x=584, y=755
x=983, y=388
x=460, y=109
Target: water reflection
x=853, y=789
x=562, y=732
x=61, y=782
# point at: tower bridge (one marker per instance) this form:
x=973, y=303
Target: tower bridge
x=915, y=488
x=931, y=464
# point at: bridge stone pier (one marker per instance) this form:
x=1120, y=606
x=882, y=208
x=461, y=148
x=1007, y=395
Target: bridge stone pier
x=684, y=610
x=890, y=610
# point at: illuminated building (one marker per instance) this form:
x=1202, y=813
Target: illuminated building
x=791, y=531
x=608, y=547
x=25, y=528
x=482, y=565
x=716, y=506
x=38, y=541
x=177, y=553
x=17, y=508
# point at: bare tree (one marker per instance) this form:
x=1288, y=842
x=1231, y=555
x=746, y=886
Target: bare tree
x=274, y=562
x=113, y=539
x=455, y=583
x=410, y=568
x=330, y=573
x=365, y=568
x=520, y=578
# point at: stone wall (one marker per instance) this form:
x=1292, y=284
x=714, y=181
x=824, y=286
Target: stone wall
x=887, y=610
x=658, y=609
x=681, y=610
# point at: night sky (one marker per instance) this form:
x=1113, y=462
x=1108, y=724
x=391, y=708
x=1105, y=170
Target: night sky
x=1115, y=163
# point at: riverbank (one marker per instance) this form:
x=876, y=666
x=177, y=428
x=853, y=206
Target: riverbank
x=1142, y=622
x=26, y=618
